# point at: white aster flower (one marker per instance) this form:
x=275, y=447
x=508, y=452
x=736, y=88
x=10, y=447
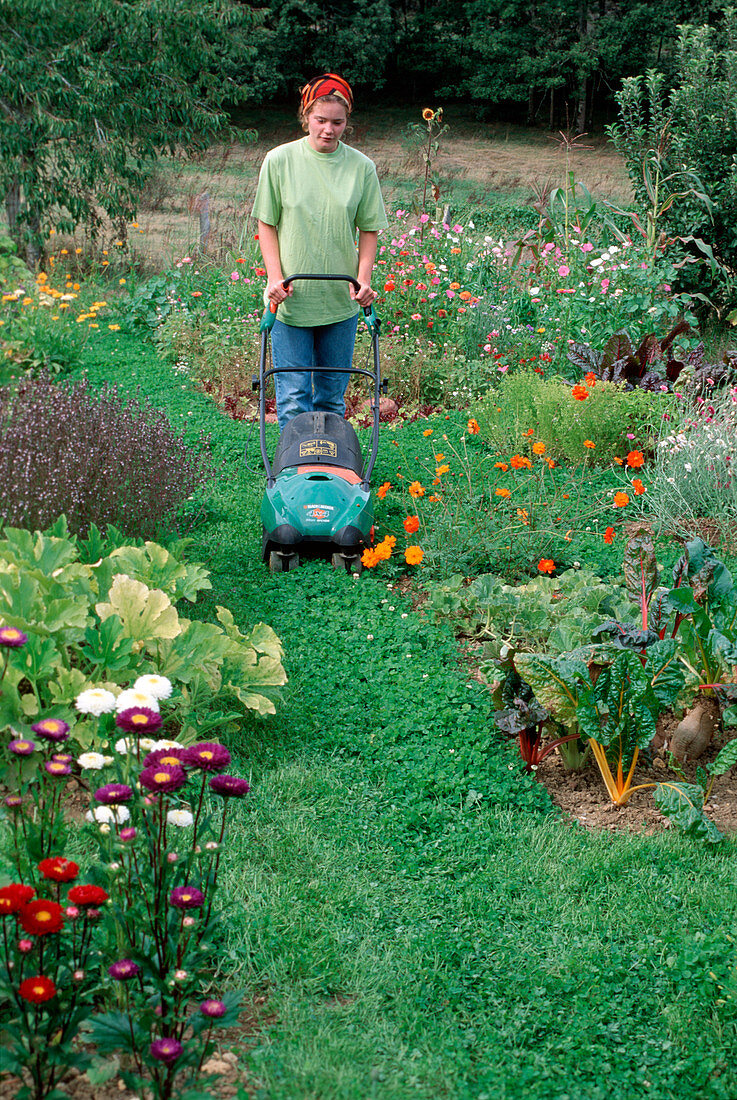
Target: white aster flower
x=95, y=701
x=158, y=686
x=103, y=815
x=181, y=818
x=134, y=698
x=165, y=745
x=93, y=761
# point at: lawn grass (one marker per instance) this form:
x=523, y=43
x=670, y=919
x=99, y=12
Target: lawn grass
x=424, y=923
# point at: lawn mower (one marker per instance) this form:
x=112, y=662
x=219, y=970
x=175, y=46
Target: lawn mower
x=317, y=502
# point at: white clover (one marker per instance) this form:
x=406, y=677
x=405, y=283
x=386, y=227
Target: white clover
x=158, y=686
x=181, y=818
x=103, y=815
x=93, y=761
x=134, y=698
x=95, y=701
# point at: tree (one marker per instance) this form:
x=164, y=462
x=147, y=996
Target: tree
x=91, y=93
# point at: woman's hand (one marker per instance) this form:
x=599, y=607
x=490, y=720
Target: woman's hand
x=365, y=296
x=277, y=293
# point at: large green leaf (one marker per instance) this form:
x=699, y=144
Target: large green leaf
x=682, y=803
x=725, y=759
x=33, y=550
x=200, y=648
x=157, y=568
x=664, y=672
x=555, y=681
x=108, y=647
x=146, y=614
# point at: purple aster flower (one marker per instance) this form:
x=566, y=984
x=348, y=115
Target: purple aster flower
x=55, y=767
x=229, y=786
x=138, y=720
x=13, y=801
x=63, y=757
x=168, y=757
x=129, y=833
x=51, y=729
x=11, y=637
x=21, y=747
x=208, y=755
x=166, y=1050
x=214, y=1009
x=112, y=793
x=123, y=970
x=186, y=897
x=163, y=777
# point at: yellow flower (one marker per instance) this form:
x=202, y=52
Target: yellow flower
x=114, y=328
x=64, y=252
x=121, y=282
x=28, y=301
x=428, y=114
x=94, y=326
x=78, y=251
x=541, y=330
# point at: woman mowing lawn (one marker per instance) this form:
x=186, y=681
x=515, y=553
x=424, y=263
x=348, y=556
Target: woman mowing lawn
x=313, y=195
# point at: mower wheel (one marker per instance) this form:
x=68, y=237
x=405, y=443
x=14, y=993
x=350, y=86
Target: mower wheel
x=282, y=563
x=351, y=564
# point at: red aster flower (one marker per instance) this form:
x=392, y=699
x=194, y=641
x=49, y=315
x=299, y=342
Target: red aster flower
x=41, y=917
x=58, y=869
x=14, y=897
x=37, y=990
x=87, y=895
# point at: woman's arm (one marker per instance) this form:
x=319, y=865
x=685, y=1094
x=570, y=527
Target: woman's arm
x=268, y=242
x=367, y=245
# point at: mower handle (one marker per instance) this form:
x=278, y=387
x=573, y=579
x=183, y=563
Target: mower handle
x=269, y=316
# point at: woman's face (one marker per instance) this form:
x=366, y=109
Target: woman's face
x=325, y=125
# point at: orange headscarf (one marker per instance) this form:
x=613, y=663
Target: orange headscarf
x=327, y=84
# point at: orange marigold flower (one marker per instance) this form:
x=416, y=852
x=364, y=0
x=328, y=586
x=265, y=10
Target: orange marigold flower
x=638, y=487
x=416, y=490
x=473, y=427
x=609, y=536
x=411, y=524
x=428, y=431
x=589, y=443
x=538, y=448
x=546, y=565
x=413, y=555
x=580, y=393
x=621, y=500
x=383, y=489
x=550, y=463
x=502, y=492
x=635, y=458
x=501, y=466
x=520, y=462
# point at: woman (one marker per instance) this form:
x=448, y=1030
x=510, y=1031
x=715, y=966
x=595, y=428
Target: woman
x=313, y=195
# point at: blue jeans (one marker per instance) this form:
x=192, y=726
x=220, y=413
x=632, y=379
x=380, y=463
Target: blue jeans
x=297, y=351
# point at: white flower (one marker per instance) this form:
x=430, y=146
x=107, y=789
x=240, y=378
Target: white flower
x=95, y=701
x=158, y=686
x=687, y=466
x=596, y=263
x=165, y=745
x=105, y=814
x=146, y=744
x=181, y=818
x=134, y=698
x=93, y=761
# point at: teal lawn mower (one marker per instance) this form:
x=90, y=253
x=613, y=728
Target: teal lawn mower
x=318, y=502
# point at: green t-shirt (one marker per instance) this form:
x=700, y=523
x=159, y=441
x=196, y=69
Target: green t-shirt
x=317, y=201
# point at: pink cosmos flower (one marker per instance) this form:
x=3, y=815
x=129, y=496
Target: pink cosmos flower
x=563, y=270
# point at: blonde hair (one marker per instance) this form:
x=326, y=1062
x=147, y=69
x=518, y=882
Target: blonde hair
x=302, y=114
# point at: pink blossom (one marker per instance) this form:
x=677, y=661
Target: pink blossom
x=605, y=284
x=563, y=270
x=416, y=316
x=457, y=228
x=424, y=218
x=435, y=280
x=588, y=247
x=235, y=276
x=450, y=294
x=502, y=368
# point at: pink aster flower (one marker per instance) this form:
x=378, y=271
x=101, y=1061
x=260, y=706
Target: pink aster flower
x=11, y=637
x=141, y=720
x=51, y=729
x=229, y=786
x=163, y=778
x=210, y=756
x=186, y=897
x=166, y=1050
x=214, y=1009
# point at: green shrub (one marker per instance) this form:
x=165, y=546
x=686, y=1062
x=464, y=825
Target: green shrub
x=613, y=420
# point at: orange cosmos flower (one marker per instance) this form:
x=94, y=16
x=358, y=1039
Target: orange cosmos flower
x=589, y=443
x=473, y=427
x=638, y=487
x=550, y=463
x=440, y=470
x=538, y=448
x=546, y=565
x=428, y=431
x=383, y=489
x=520, y=462
x=609, y=536
x=413, y=555
x=635, y=458
x=618, y=460
x=411, y=524
x=369, y=558
x=503, y=492
x=383, y=551
x=530, y=431
x=580, y=393
x=621, y=500
x=500, y=466
x=416, y=490
x=590, y=379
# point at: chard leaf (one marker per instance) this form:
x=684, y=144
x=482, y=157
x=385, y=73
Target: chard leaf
x=682, y=803
x=665, y=672
x=640, y=565
x=555, y=681
x=725, y=759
